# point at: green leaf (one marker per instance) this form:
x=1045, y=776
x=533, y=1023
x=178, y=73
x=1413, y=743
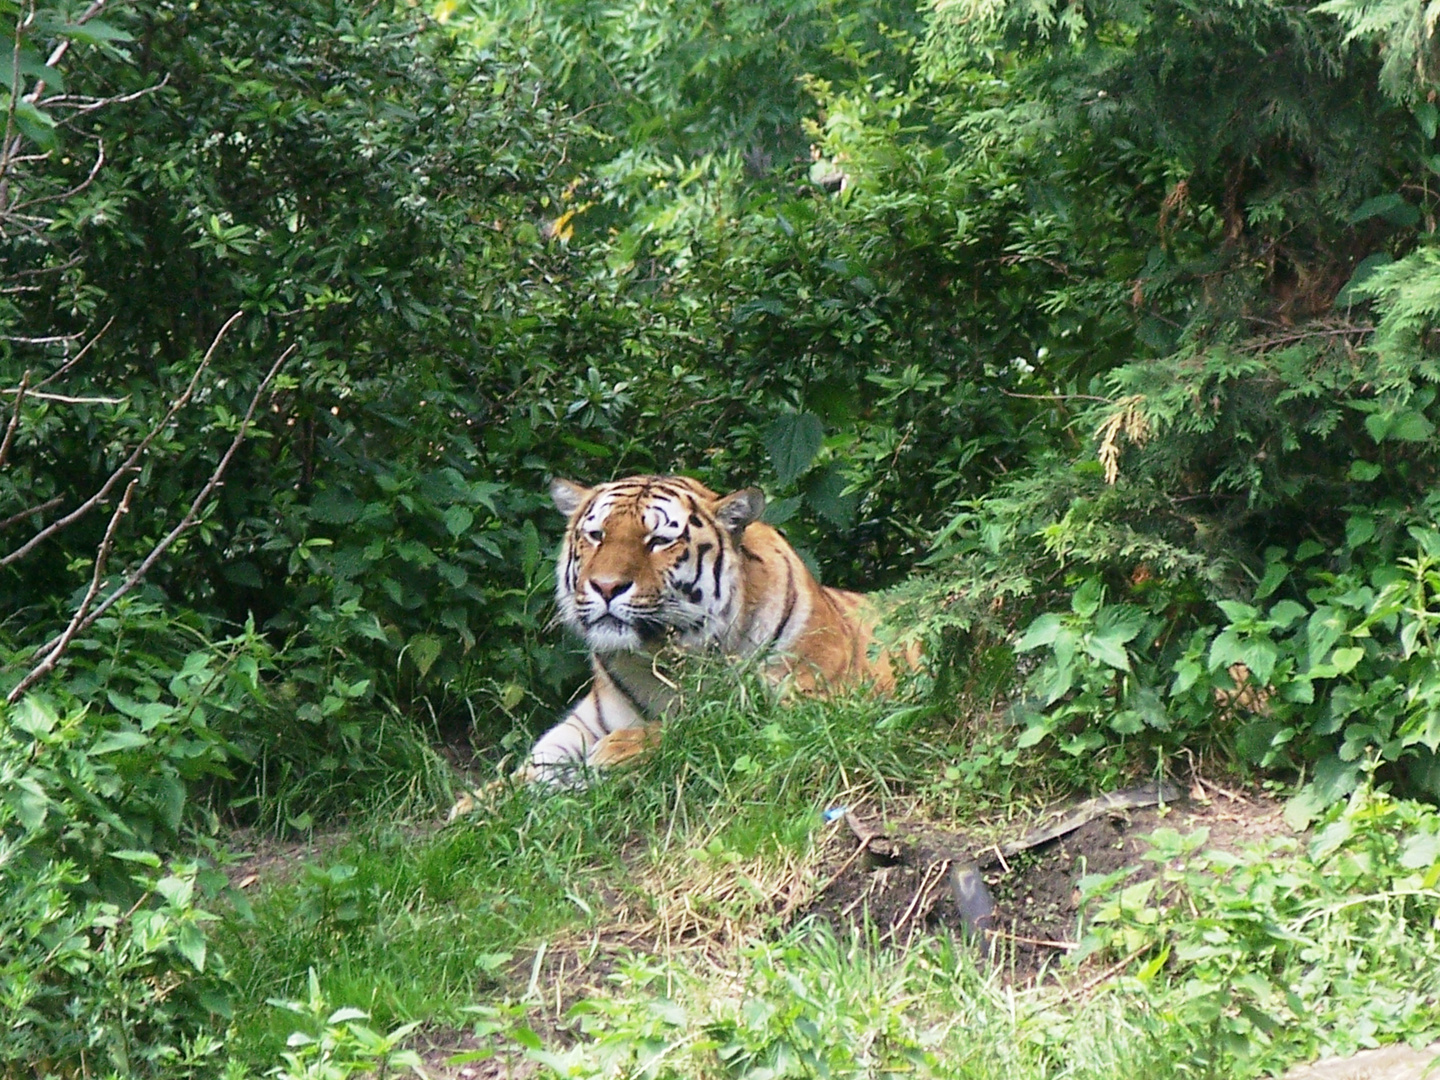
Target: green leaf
x=1344, y=660
x=1088, y=597
x=1040, y=632
x=827, y=495
x=1426, y=116
x=424, y=650
x=1359, y=529
x=190, y=943
x=1420, y=851
x=119, y=740
x=91, y=32
x=1351, y=293
x=336, y=506
x=1284, y=613
x=1411, y=426
x=779, y=511
x=29, y=802
x=35, y=125
x=1032, y=735
x=458, y=520
x=792, y=440
x=1393, y=208
x=1364, y=471
x=1276, y=571
x=170, y=800
x=145, y=858
x=33, y=716
x=1108, y=649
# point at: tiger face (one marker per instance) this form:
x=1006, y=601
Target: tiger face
x=651, y=559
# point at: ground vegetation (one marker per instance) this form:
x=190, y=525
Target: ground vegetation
x=1102, y=333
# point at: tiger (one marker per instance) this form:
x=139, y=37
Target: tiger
x=650, y=562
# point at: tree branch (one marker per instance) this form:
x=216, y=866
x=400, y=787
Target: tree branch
x=52, y=656
x=128, y=465
x=11, y=427
x=193, y=514
x=48, y=504
x=63, y=368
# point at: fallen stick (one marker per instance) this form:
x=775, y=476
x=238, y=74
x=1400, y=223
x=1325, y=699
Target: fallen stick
x=1136, y=798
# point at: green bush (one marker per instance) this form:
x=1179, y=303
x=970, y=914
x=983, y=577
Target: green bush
x=106, y=959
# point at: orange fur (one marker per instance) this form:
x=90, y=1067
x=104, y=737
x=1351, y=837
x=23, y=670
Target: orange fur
x=655, y=561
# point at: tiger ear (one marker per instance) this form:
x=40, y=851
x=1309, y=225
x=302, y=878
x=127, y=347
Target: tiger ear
x=741, y=508
x=567, y=495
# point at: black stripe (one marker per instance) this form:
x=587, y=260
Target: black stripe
x=600, y=712
x=700, y=550
x=719, y=562
x=790, y=597
x=623, y=689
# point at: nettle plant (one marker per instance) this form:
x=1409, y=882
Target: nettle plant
x=1322, y=667
x=1282, y=950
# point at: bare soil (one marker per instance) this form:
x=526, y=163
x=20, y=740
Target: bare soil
x=900, y=882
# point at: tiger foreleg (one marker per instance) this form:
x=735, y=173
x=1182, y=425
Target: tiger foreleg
x=623, y=747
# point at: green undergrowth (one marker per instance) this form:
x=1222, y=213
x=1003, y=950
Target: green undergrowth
x=499, y=927
x=407, y=922
x=1223, y=965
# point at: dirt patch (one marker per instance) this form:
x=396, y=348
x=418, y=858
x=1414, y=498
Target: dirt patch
x=896, y=874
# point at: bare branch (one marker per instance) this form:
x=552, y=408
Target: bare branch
x=68, y=400
x=15, y=211
x=54, y=340
x=59, y=51
x=48, y=504
x=52, y=656
x=128, y=465
x=62, y=369
x=193, y=514
x=83, y=105
x=11, y=427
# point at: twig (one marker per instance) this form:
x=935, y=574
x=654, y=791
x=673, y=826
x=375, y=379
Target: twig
x=53, y=339
x=128, y=464
x=859, y=850
x=938, y=870
x=999, y=857
x=52, y=657
x=63, y=368
x=1261, y=344
x=14, y=419
x=66, y=399
x=1110, y=972
x=1231, y=795
x=48, y=504
x=1064, y=946
x=192, y=515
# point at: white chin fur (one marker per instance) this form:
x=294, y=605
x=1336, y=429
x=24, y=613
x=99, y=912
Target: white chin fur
x=611, y=639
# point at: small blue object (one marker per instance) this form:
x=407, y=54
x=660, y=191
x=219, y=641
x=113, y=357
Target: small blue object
x=834, y=812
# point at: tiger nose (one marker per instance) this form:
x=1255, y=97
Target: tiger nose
x=609, y=588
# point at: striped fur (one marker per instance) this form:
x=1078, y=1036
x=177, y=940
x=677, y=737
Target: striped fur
x=651, y=561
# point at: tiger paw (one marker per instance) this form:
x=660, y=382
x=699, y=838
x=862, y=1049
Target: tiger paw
x=625, y=746
x=484, y=797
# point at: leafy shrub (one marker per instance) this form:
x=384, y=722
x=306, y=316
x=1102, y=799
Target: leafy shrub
x=1286, y=950
x=106, y=957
